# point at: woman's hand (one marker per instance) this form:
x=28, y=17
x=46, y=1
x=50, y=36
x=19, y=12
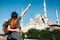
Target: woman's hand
x=13, y=30
x=18, y=30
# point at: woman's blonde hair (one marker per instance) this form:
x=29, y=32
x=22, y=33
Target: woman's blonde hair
x=13, y=23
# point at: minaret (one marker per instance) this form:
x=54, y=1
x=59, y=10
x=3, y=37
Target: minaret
x=56, y=16
x=45, y=15
x=45, y=9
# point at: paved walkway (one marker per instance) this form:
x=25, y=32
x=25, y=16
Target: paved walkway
x=2, y=38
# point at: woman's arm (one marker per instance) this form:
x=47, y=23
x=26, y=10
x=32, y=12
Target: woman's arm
x=20, y=17
x=25, y=10
x=13, y=30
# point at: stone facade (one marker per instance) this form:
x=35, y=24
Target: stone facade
x=37, y=22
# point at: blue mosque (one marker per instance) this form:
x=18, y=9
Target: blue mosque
x=39, y=21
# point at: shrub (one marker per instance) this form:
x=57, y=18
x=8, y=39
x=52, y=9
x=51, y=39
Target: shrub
x=33, y=33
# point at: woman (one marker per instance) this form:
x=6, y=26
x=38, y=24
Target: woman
x=14, y=25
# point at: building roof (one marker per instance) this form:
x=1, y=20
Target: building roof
x=54, y=25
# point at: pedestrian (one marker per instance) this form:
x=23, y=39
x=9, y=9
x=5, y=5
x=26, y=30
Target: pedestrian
x=14, y=33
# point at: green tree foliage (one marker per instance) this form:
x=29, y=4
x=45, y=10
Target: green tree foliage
x=45, y=35
x=42, y=34
x=33, y=33
x=56, y=34
x=23, y=35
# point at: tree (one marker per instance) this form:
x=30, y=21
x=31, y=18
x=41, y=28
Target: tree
x=45, y=35
x=56, y=34
x=23, y=35
x=33, y=33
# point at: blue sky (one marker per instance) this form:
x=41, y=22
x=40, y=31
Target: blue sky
x=7, y=6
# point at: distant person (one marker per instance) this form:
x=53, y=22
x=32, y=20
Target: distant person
x=14, y=30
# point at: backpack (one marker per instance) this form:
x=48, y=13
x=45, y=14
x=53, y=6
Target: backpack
x=5, y=25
